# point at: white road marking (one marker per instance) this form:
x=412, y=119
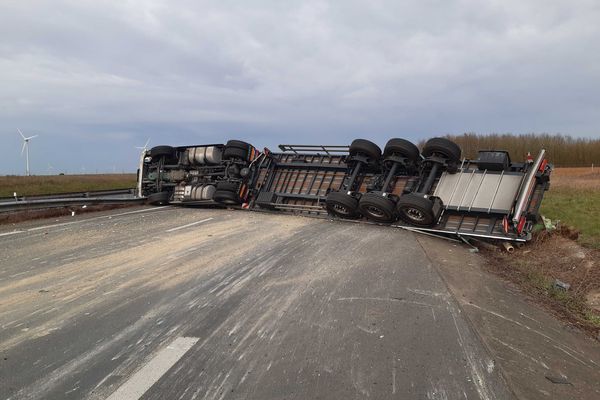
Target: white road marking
x=11, y=233
x=162, y=208
x=150, y=373
x=188, y=225
x=52, y=226
x=97, y=218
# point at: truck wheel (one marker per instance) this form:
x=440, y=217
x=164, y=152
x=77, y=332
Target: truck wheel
x=227, y=193
x=365, y=147
x=452, y=168
x=238, y=144
x=442, y=147
x=225, y=197
x=342, y=205
x=228, y=186
x=378, y=208
x=403, y=148
x=235, y=153
x=162, y=151
x=416, y=210
x=158, y=199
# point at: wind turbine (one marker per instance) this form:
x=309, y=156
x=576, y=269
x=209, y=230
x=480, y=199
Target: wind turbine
x=145, y=146
x=26, y=146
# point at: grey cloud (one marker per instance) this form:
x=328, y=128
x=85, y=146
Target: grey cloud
x=109, y=75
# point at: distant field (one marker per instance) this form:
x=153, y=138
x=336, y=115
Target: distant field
x=37, y=185
x=574, y=198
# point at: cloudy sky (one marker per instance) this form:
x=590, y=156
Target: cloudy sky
x=95, y=78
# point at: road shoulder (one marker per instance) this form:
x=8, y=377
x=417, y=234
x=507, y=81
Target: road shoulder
x=539, y=356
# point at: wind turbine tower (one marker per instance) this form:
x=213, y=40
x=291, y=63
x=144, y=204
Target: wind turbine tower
x=26, y=147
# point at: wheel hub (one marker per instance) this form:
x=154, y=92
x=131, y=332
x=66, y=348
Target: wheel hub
x=340, y=209
x=415, y=214
x=375, y=211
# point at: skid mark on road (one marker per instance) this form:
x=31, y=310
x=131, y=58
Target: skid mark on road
x=477, y=372
x=560, y=346
x=521, y=353
x=391, y=299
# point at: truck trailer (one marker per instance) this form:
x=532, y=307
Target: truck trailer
x=433, y=190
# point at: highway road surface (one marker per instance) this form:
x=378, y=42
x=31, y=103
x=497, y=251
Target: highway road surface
x=181, y=303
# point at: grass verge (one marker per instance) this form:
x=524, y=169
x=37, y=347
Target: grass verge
x=42, y=185
x=574, y=199
x=579, y=208
x=535, y=268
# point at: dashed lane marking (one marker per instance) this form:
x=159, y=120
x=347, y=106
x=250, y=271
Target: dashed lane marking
x=188, y=225
x=11, y=233
x=150, y=373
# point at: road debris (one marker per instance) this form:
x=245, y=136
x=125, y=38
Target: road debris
x=560, y=285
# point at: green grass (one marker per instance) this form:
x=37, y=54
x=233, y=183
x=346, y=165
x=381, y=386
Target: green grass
x=38, y=185
x=593, y=318
x=579, y=208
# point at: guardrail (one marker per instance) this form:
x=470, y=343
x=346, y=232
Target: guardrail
x=86, y=194
x=57, y=203
x=118, y=196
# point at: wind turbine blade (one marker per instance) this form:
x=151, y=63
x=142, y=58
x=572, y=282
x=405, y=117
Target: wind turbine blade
x=31, y=137
x=23, y=148
x=146, y=145
x=21, y=133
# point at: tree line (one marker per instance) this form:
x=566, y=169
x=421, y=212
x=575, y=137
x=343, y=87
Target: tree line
x=561, y=150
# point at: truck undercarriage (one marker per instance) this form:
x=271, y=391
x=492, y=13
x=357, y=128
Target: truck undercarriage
x=432, y=190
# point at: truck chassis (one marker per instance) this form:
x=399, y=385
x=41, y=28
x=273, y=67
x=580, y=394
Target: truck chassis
x=433, y=190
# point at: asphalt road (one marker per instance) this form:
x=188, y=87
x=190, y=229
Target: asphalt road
x=173, y=303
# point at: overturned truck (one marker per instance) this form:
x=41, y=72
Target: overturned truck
x=433, y=190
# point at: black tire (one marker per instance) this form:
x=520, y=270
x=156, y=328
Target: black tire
x=226, y=197
x=238, y=144
x=377, y=208
x=403, y=148
x=162, y=151
x=232, y=153
x=444, y=148
x=416, y=209
x=227, y=193
x=158, y=199
x=342, y=205
x=227, y=186
x=365, y=147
